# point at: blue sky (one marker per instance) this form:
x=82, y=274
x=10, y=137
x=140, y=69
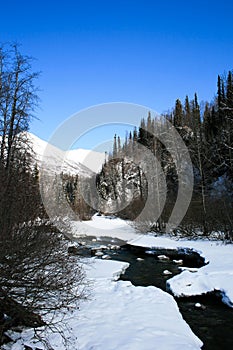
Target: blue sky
x=143, y=52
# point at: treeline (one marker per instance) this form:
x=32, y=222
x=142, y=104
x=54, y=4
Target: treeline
x=207, y=132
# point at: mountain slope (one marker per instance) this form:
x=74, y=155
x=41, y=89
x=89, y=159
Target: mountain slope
x=75, y=162
x=91, y=159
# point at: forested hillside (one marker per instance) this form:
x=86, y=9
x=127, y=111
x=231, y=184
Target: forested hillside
x=207, y=131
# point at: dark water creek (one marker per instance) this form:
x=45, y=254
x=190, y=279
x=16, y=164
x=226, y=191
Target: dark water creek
x=212, y=323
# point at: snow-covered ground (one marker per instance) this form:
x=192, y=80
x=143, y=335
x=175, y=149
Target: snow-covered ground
x=102, y=226
x=217, y=275
x=121, y=316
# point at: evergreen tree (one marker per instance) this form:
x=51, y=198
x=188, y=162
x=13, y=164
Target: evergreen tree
x=229, y=91
x=221, y=104
x=114, y=152
x=135, y=135
x=187, y=113
x=119, y=146
x=220, y=92
x=178, y=114
x=142, y=134
x=229, y=122
x=149, y=122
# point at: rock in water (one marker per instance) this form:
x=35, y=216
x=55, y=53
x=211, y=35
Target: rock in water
x=163, y=257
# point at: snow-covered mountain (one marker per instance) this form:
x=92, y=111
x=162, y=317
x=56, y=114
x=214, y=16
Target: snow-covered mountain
x=79, y=161
x=90, y=159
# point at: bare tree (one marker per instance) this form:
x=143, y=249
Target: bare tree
x=37, y=276
x=18, y=97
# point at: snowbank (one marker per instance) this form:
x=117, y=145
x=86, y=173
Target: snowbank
x=216, y=275
x=121, y=316
x=127, y=317
x=102, y=226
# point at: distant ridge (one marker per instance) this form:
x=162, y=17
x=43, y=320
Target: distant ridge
x=74, y=162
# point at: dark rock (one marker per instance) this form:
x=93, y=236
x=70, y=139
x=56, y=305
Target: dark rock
x=73, y=250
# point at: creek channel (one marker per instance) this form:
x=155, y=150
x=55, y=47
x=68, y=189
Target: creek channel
x=208, y=317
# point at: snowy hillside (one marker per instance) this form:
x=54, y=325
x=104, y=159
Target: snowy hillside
x=79, y=161
x=91, y=159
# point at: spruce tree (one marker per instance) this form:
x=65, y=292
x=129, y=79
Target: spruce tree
x=114, y=152
x=178, y=114
x=229, y=121
x=142, y=134
x=229, y=91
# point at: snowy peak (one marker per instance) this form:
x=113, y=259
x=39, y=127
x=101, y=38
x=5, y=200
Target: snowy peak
x=91, y=159
x=75, y=162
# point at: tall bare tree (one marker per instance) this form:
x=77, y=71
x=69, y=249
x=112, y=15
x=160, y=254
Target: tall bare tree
x=18, y=97
x=36, y=273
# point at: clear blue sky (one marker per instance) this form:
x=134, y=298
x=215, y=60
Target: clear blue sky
x=144, y=52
